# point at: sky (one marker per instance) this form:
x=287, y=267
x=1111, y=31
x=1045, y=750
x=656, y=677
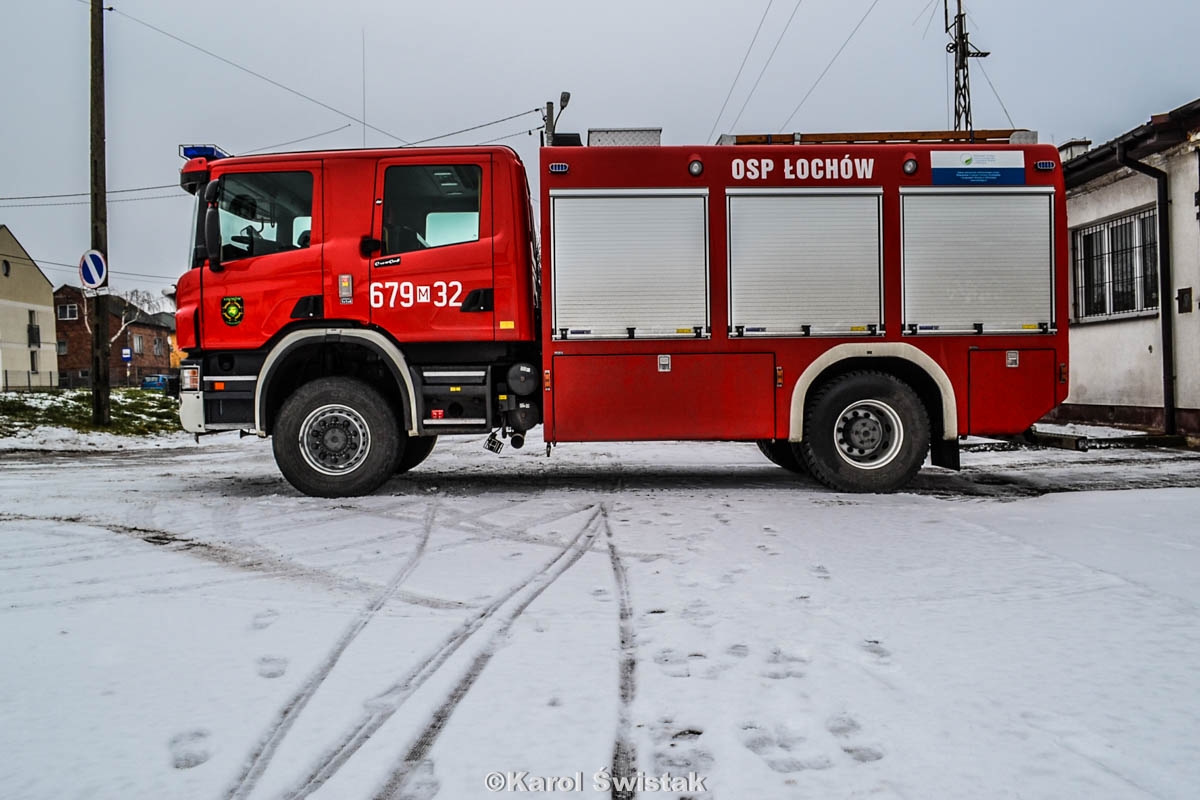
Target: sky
x=1066, y=69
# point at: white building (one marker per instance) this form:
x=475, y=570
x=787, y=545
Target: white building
x=1135, y=331
x=28, y=355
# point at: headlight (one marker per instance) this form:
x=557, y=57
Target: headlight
x=189, y=379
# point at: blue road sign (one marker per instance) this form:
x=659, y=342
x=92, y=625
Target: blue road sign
x=93, y=271
x=127, y=354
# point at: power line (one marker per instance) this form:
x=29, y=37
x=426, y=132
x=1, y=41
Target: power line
x=529, y=132
x=249, y=71
x=87, y=194
x=812, y=88
x=474, y=127
x=89, y=202
x=740, y=68
x=295, y=141
x=764, y=69
x=300, y=94
x=59, y=266
x=923, y=10
x=998, y=98
x=929, y=22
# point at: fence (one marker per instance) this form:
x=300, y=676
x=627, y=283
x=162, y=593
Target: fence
x=20, y=380
x=14, y=380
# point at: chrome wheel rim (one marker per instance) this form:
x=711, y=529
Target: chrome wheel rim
x=868, y=434
x=334, y=440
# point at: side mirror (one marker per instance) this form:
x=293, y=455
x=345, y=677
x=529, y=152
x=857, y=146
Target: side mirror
x=212, y=237
x=212, y=226
x=368, y=246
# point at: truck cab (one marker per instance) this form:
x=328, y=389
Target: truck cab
x=413, y=271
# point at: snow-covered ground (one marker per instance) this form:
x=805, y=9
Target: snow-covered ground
x=178, y=623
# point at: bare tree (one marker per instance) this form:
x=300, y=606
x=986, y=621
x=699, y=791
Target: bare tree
x=131, y=302
x=146, y=300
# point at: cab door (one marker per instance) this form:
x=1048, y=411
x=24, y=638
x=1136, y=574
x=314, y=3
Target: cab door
x=270, y=254
x=432, y=279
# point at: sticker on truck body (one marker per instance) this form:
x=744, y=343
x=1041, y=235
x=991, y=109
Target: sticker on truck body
x=978, y=167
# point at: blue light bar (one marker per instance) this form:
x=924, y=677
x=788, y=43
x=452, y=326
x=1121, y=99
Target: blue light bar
x=209, y=151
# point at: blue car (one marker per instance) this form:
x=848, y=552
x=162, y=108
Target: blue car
x=158, y=382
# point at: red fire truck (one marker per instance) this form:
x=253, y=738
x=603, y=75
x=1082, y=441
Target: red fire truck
x=850, y=307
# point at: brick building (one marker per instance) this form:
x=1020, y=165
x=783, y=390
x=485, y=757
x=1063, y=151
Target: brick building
x=148, y=336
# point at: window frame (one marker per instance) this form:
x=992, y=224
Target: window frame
x=391, y=202
x=228, y=196
x=1128, y=253
x=71, y=309
x=137, y=344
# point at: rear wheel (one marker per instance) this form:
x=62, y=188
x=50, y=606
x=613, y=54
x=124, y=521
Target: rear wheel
x=864, y=432
x=416, y=450
x=779, y=452
x=336, y=437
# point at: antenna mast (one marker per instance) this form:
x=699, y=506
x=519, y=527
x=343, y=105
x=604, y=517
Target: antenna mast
x=963, y=50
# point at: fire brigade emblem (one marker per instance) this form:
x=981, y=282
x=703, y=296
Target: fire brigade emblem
x=232, y=310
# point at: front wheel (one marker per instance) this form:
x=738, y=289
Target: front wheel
x=865, y=432
x=336, y=437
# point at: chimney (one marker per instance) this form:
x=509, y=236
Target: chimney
x=1073, y=148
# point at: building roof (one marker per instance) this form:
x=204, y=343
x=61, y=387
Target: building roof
x=1162, y=132
x=23, y=255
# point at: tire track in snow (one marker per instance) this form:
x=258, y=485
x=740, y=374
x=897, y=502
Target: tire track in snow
x=624, y=759
x=532, y=586
x=260, y=759
x=249, y=557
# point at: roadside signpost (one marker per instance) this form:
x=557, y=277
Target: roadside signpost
x=93, y=270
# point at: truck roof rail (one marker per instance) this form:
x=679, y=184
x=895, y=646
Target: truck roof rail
x=990, y=136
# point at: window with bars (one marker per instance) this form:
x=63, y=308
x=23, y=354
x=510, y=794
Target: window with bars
x=1116, y=266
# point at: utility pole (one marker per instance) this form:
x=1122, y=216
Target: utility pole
x=101, y=407
x=962, y=49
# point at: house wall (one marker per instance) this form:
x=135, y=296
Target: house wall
x=22, y=290
x=1119, y=362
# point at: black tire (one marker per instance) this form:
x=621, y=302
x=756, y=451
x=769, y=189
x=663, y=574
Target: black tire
x=337, y=437
x=864, y=432
x=416, y=450
x=779, y=452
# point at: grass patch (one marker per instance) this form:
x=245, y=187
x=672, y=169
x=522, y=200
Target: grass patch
x=135, y=412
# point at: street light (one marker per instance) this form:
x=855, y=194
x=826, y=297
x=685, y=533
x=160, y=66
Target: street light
x=552, y=118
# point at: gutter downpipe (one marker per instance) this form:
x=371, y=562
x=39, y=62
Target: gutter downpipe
x=1165, y=281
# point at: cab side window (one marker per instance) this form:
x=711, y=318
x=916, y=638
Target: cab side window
x=264, y=213
x=427, y=206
